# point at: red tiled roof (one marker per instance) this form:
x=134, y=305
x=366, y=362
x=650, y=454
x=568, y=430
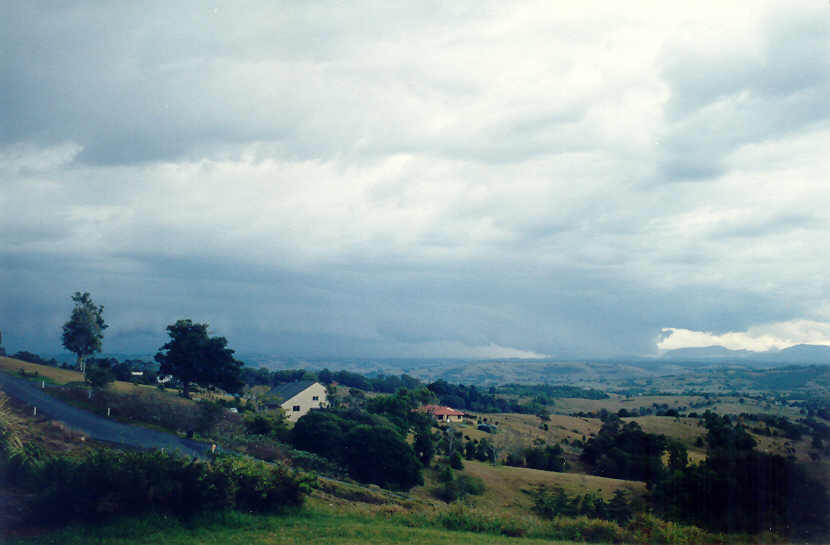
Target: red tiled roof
x=438, y=410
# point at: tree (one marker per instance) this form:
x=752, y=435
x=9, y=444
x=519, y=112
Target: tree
x=193, y=357
x=379, y=454
x=98, y=377
x=84, y=332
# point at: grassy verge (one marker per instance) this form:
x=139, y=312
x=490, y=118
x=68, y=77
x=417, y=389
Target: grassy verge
x=302, y=528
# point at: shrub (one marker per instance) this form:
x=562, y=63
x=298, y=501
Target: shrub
x=646, y=528
x=586, y=529
x=270, y=424
x=98, y=377
x=101, y=484
x=459, y=487
x=455, y=460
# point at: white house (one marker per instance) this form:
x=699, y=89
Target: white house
x=297, y=398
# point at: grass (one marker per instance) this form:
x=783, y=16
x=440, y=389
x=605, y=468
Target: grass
x=301, y=528
x=505, y=486
x=54, y=374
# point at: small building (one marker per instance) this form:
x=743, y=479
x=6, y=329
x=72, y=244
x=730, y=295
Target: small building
x=297, y=398
x=443, y=414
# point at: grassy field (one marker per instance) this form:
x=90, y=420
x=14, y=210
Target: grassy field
x=302, y=528
x=506, y=486
x=56, y=375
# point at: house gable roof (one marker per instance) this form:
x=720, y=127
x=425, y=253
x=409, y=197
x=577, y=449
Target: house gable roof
x=441, y=411
x=290, y=389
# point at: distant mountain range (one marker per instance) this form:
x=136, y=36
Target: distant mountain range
x=800, y=354
x=576, y=371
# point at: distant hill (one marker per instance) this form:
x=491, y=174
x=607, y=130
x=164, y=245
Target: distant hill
x=801, y=354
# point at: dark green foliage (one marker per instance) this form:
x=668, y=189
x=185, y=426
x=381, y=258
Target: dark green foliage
x=192, y=356
x=547, y=457
x=399, y=409
x=33, y=358
x=678, y=455
x=83, y=334
x=619, y=509
x=208, y=415
x=370, y=446
x=471, y=398
x=98, y=377
x=267, y=423
x=102, y=484
x=722, y=436
x=737, y=489
x=625, y=451
x=457, y=487
x=790, y=430
x=485, y=451
x=455, y=460
x=550, y=503
x=424, y=445
x=378, y=454
x=321, y=432
x=470, y=450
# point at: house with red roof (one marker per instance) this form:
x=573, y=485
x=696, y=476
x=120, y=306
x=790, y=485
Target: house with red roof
x=443, y=414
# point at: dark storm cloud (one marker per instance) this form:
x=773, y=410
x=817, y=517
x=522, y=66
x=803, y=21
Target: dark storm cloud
x=446, y=180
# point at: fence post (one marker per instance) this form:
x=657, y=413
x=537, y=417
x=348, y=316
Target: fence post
x=108, y=411
x=35, y=411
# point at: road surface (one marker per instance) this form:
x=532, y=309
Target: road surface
x=94, y=426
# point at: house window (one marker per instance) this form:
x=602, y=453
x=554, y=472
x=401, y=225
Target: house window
x=315, y=398
x=296, y=408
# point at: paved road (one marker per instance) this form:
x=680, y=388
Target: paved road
x=96, y=427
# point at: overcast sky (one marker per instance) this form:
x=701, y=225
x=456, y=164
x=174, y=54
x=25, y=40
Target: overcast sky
x=464, y=179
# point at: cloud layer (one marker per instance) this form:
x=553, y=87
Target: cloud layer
x=431, y=180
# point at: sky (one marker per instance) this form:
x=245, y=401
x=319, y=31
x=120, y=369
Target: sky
x=418, y=179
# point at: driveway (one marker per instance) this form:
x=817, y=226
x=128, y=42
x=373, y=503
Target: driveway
x=94, y=426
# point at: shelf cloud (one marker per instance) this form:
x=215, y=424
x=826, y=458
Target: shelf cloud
x=465, y=180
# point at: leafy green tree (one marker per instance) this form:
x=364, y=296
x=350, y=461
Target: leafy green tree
x=678, y=455
x=619, y=509
x=455, y=460
x=83, y=334
x=193, y=357
x=424, y=445
x=369, y=445
x=379, y=454
x=321, y=432
x=98, y=377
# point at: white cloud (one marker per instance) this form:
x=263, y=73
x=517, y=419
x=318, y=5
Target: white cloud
x=775, y=336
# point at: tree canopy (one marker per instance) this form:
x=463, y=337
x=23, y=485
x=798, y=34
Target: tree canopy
x=193, y=357
x=371, y=446
x=83, y=334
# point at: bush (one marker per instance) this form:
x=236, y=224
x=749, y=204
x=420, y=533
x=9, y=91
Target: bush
x=98, y=377
x=457, y=488
x=586, y=529
x=455, y=460
x=102, y=484
x=646, y=528
x=269, y=424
